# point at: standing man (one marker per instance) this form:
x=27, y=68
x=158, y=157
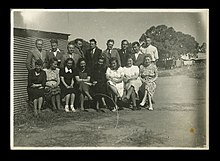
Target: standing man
x=77, y=50
x=150, y=49
x=92, y=54
x=137, y=56
x=54, y=52
x=110, y=52
x=37, y=53
x=69, y=54
x=124, y=52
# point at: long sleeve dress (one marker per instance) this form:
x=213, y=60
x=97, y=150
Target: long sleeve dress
x=36, y=78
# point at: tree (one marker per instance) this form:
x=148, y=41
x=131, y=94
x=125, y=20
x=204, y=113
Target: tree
x=171, y=43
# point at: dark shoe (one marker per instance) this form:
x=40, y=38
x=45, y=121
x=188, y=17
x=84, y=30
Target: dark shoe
x=134, y=108
x=138, y=108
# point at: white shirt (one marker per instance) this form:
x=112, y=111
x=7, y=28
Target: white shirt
x=68, y=70
x=136, y=54
x=152, y=50
x=55, y=52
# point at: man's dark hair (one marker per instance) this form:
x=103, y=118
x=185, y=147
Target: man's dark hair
x=54, y=41
x=110, y=40
x=135, y=43
x=93, y=40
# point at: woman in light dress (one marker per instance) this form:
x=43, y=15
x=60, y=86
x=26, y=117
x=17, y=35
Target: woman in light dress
x=115, y=76
x=148, y=74
x=53, y=82
x=132, y=83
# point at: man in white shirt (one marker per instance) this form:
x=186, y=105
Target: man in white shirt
x=150, y=49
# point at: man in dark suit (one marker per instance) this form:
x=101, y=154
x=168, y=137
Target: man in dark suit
x=137, y=56
x=124, y=52
x=35, y=54
x=92, y=54
x=111, y=52
x=54, y=52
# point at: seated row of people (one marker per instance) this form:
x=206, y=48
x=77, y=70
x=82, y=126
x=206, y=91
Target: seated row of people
x=123, y=83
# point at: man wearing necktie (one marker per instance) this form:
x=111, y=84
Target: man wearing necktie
x=124, y=52
x=92, y=54
x=69, y=54
x=110, y=52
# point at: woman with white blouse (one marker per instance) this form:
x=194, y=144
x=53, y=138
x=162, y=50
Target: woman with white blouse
x=115, y=76
x=132, y=82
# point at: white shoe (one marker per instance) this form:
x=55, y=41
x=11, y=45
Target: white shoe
x=150, y=108
x=67, y=108
x=72, y=108
x=142, y=103
x=115, y=109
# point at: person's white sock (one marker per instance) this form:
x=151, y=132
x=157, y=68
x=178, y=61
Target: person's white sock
x=67, y=108
x=72, y=108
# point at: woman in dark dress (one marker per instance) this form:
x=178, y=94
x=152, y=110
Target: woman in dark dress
x=68, y=89
x=83, y=76
x=36, y=86
x=99, y=80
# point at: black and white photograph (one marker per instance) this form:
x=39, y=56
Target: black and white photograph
x=90, y=79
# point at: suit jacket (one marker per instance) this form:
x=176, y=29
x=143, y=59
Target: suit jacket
x=123, y=56
x=77, y=53
x=50, y=55
x=63, y=59
x=34, y=55
x=107, y=56
x=139, y=59
x=92, y=59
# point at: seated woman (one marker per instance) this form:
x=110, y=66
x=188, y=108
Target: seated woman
x=36, y=86
x=148, y=74
x=68, y=90
x=83, y=76
x=98, y=80
x=132, y=82
x=53, y=82
x=115, y=76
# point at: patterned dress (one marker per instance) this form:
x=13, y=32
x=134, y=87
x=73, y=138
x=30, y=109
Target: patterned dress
x=52, y=79
x=147, y=74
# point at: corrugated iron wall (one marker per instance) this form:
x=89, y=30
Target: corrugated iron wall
x=21, y=46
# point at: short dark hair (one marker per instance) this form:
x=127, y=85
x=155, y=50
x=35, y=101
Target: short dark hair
x=51, y=61
x=77, y=40
x=79, y=61
x=69, y=59
x=110, y=40
x=135, y=43
x=93, y=40
x=54, y=41
x=124, y=41
x=39, y=62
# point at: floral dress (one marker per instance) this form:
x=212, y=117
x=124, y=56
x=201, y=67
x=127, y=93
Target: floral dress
x=52, y=79
x=148, y=74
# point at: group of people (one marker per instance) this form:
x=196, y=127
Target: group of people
x=126, y=76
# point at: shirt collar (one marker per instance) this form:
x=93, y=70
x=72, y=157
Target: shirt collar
x=56, y=50
x=68, y=70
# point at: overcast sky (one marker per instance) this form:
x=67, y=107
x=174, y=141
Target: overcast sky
x=117, y=24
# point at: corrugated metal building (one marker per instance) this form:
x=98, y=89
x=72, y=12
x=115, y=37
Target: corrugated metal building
x=24, y=40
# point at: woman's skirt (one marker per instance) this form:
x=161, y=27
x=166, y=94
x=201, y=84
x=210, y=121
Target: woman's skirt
x=133, y=83
x=118, y=86
x=149, y=86
x=35, y=93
